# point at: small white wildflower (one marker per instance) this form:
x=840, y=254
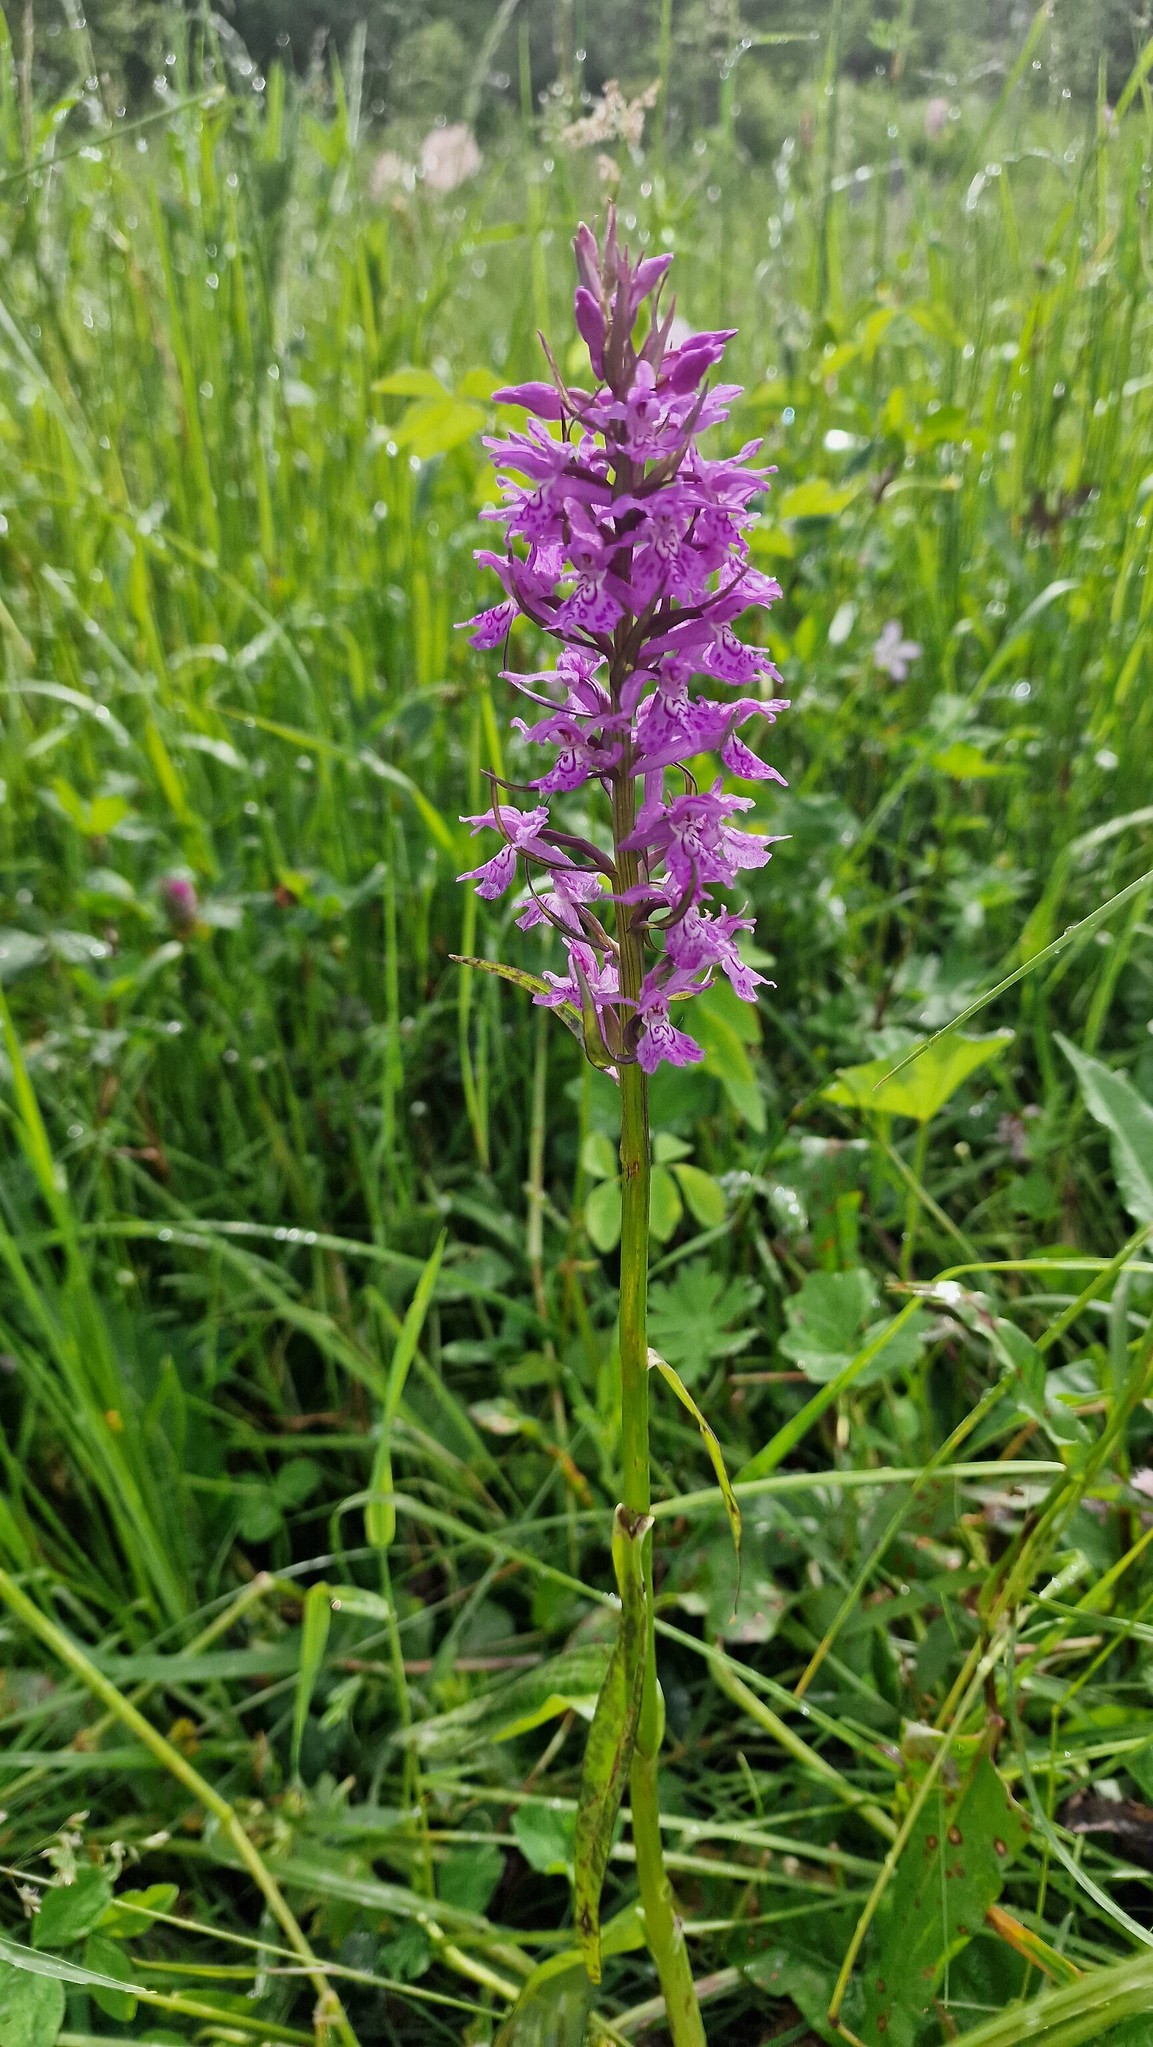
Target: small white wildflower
x=893, y=652
x=449, y=157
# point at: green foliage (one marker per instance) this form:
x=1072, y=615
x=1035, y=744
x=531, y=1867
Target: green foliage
x=31, y=2008
x=308, y=1413
x=953, y=1867
x=611, y=1737
x=834, y=1316
x=691, y=1318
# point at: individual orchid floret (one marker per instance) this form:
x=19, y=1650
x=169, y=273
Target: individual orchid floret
x=625, y=545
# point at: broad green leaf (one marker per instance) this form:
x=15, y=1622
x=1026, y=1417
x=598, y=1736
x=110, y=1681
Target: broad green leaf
x=380, y=1513
x=951, y=1870
x=130, y=1913
x=410, y=383
x=479, y=384
x=799, y=1961
x=611, y=1737
x=704, y=1199
x=964, y=762
x=1113, y=1101
x=95, y=816
x=313, y=1642
x=925, y=1082
x=599, y=1156
x=665, y=1205
x=69, y=1911
x=816, y=499
x=831, y=1320
x=296, y=1481
x=603, y=1214
x=468, y=1877
x=727, y=1059
x=105, y=1958
x=31, y=2008
x=667, y=1149
x=715, y=1453
x=432, y=426
x=546, y=1836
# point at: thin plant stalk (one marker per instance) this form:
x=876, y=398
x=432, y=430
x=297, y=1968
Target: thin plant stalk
x=663, y=1929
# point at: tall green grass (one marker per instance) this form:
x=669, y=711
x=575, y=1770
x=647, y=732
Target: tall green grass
x=240, y=405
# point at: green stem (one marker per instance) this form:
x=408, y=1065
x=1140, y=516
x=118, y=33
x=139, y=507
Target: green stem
x=663, y=1930
x=914, y=1202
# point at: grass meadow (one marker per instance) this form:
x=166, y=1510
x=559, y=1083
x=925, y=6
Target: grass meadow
x=308, y=1233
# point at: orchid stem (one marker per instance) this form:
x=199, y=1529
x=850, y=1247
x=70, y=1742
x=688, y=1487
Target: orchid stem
x=663, y=1930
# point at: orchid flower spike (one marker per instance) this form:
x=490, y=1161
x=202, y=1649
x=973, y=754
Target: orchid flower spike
x=626, y=547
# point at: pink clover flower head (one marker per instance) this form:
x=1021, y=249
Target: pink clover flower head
x=625, y=545
x=180, y=900
x=893, y=652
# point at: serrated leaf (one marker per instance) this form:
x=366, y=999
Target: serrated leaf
x=611, y=1737
x=923, y=1086
x=1112, y=1100
x=831, y=1320
x=691, y=1318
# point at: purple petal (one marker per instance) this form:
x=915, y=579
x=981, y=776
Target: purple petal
x=541, y=399
x=591, y=327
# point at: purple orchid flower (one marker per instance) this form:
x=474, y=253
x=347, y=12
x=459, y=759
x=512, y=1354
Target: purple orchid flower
x=626, y=546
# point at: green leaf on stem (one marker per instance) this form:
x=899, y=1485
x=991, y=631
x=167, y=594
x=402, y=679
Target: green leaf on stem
x=612, y=1735
x=716, y=1456
x=1113, y=1101
x=531, y=984
x=380, y=1513
x=313, y=1642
